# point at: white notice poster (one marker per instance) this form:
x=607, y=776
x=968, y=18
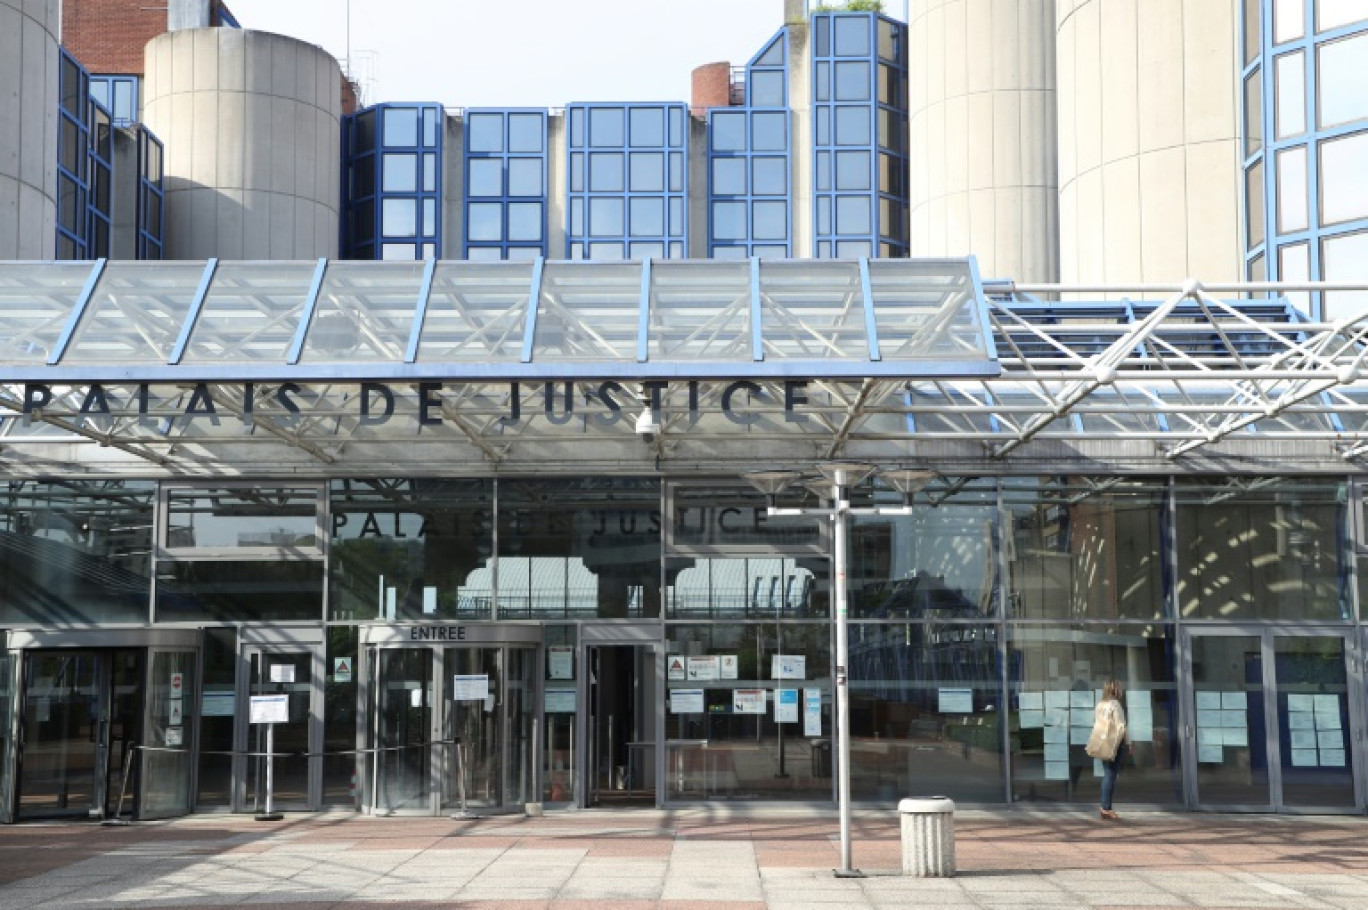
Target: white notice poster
x=1232, y=701
x=1057, y=698
x=176, y=715
x=429, y=599
x=704, y=668
x=177, y=684
x=282, y=673
x=812, y=712
x=956, y=701
x=748, y=701
x=1140, y=724
x=1208, y=701
x=175, y=736
x=1031, y=701
x=1210, y=754
x=560, y=663
x=786, y=706
x=1304, y=758
x=269, y=709
x=686, y=701
x=675, y=668
x=1300, y=703
x=788, y=666
x=727, y=666
x=560, y=701
x=1030, y=720
x=1080, y=699
x=1056, y=770
x=469, y=688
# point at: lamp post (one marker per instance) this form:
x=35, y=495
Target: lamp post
x=841, y=476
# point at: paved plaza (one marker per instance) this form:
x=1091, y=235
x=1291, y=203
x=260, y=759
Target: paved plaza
x=685, y=859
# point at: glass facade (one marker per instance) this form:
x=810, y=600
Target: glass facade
x=628, y=181
x=506, y=154
x=151, y=195
x=118, y=95
x=1306, y=147
x=749, y=164
x=85, y=165
x=860, y=134
x=392, y=182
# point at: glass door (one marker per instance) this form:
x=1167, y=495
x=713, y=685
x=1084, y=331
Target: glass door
x=473, y=705
x=401, y=728
x=1271, y=720
x=287, y=672
x=7, y=757
x=167, y=759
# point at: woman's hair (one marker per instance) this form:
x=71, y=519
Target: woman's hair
x=1111, y=689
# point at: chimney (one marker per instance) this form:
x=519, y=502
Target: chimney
x=181, y=14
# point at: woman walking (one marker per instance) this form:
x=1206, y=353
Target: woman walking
x=1108, y=742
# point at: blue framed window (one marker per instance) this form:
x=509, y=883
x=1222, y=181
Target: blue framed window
x=860, y=122
x=750, y=162
x=627, y=181
x=1305, y=147
x=85, y=166
x=505, y=181
x=99, y=210
x=392, y=182
x=151, y=195
x=118, y=95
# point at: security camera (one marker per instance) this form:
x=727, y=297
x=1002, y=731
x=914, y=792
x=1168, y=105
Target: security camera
x=647, y=426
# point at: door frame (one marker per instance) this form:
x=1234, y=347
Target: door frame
x=648, y=634
x=1267, y=634
x=263, y=641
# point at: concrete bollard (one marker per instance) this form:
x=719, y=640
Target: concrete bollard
x=928, y=836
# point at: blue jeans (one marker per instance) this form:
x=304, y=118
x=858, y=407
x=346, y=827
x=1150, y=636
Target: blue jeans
x=1110, y=769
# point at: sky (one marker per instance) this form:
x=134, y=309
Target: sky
x=523, y=53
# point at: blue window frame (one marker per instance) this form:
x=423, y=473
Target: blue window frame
x=749, y=163
x=392, y=182
x=99, y=209
x=860, y=121
x=119, y=95
x=628, y=181
x=1305, y=146
x=151, y=196
x=85, y=166
x=505, y=180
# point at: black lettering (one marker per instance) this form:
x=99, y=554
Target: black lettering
x=95, y=401
x=514, y=406
x=339, y=522
x=654, y=390
x=201, y=403
x=428, y=399
x=722, y=518
x=283, y=397
x=754, y=392
x=549, y=403
x=605, y=394
x=370, y=527
x=36, y=397
x=369, y=389
x=398, y=532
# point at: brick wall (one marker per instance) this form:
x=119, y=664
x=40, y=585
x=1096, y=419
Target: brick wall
x=711, y=88
x=107, y=36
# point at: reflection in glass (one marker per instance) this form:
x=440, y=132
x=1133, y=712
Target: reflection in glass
x=605, y=218
x=606, y=127
x=288, y=673
x=403, y=724
x=1313, y=721
x=1262, y=550
x=399, y=217
x=246, y=591
x=925, y=708
x=853, y=215
x=769, y=132
x=340, y=766
x=1292, y=196
x=1290, y=77
x=1344, y=178
x=766, y=89
x=647, y=126
x=1254, y=204
x=414, y=549
x=728, y=132
x=735, y=744
x=524, y=221
x=484, y=221
x=401, y=173
x=1253, y=113
x=242, y=518
x=484, y=132
x=605, y=172
x=166, y=774
x=525, y=132
x=401, y=126
x=1229, y=726
x=852, y=35
x=648, y=217
x=1345, y=259
x=486, y=177
x=769, y=220
x=852, y=126
x=524, y=176
x=1056, y=674
x=852, y=81
x=729, y=176
x=769, y=176
x=647, y=172
x=1335, y=13
x=1342, y=80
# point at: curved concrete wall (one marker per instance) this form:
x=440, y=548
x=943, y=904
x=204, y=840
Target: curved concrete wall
x=250, y=122
x=28, y=128
x=1148, y=172
x=982, y=119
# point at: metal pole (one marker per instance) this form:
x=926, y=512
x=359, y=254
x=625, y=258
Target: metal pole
x=840, y=505
x=270, y=815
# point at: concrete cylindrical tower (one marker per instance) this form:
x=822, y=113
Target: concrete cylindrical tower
x=28, y=125
x=250, y=121
x=1148, y=165
x=982, y=120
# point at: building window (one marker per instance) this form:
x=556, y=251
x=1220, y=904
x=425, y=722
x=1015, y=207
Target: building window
x=505, y=161
x=118, y=95
x=392, y=157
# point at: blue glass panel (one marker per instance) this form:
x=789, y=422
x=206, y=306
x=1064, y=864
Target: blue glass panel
x=430, y=127
x=524, y=253
x=644, y=251
x=852, y=81
x=676, y=217
x=399, y=217
x=824, y=214
x=647, y=126
x=769, y=177
x=823, y=125
x=769, y=220
x=429, y=172
x=605, y=251
x=605, y=172
x=647, y=172
x=768, y=133
x=852, y=126
x=729, y=252
x=676, y=172
x=676, y=127
x=822, y=80
x=524, y=176
x=400, y=125
x=853, y=249
x=823, y=171
x=577, y=217
x=852, y=171
x=853, y=215
x=524, y=221
x=1343, y=80
x=766, y=89
x=400, y=173
x=729, y=176
x=577, y=172
x=605, y=217
x=484, y=253
x=821, y=25
x=773, y=55
x=525, y=133
x=486, y=177
x=484, y=221
x=852, y=36
x=605, y=127
x=576, y=127
x=484, y=132
x=771, y=252
x=648, y=217
x=729, y=220
x=398, y=251
x=729, y=132
x=429, y=217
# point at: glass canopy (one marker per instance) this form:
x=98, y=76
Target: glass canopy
x=306, y=321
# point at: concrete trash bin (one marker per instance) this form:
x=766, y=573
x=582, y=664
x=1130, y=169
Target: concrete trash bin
x=928, y=836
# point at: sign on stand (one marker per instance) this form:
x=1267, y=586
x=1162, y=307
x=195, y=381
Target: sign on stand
x=269, y=710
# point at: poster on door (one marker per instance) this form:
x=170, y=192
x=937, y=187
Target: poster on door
x=786, y=706
x=177, y=684
x=470, y=688
x=342, y=669
x=748, y=701
x=727, y=666
x=675, y=668
x=176, y=715
x=703, y=668
x=560, y=663
x=812, y=712
x=788, y=666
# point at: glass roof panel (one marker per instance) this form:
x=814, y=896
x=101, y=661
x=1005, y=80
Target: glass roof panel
x=36, y=299
x=135, y=315
x=812, y=310
x=364, y=312
x=926, y=309
x=250, y=313
x=588, y=313
x=476, y=312
x=700, y=311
